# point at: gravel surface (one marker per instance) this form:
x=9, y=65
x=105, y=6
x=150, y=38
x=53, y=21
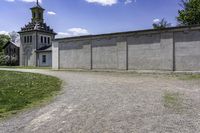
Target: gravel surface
x=100, y=102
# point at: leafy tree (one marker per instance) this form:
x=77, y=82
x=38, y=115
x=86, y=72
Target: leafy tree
x=190, y=14
x=3, y=40
x=161, y=24
x=13, y=35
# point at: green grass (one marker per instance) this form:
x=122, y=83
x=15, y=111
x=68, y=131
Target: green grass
x=28, y=67
x=172, y=101
x=19, y=91
x=188, y=76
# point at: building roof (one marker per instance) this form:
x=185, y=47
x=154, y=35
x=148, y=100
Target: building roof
x=45, y=49
x=37, y=26
x=38, y=6
x=170, y=29
x=9, y=42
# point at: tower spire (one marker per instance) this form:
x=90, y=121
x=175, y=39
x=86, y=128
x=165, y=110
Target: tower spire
x=37, y=12
x=37, y=3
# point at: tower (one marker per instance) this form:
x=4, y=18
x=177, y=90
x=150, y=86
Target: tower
x=36, y=40
x=37, y=13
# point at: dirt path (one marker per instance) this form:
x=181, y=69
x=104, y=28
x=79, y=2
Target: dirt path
x=114, y=103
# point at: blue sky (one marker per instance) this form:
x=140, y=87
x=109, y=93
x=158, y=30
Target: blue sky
x=79, y=17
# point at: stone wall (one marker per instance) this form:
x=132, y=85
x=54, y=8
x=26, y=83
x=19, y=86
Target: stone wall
x=170, y=49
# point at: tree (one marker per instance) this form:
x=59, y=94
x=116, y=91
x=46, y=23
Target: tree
x=161, y=24
x=190, y=14
x=3, y=40
x=13, y=35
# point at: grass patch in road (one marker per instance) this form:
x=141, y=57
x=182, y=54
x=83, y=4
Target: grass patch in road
x=22, y=90
x=173, y=101
x=188, y=76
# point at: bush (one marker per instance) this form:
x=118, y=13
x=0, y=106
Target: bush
x=2, y=59
x=5, y=60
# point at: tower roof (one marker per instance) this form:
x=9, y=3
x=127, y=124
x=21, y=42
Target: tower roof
x=37, y=23
x=32, y=26
x=37, y=6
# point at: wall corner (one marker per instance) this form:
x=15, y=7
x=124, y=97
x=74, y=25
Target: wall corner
x=55, y=55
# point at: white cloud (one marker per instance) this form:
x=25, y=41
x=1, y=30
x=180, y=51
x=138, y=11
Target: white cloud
x=103, y=2
x=73, y=32
x=4, y=32
x=40, y=1
x=62, y=35
x=51, y=13
x=128, y=1
x=156, y=20
x=78, y=31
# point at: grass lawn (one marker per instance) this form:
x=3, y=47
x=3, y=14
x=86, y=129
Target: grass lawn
x=28, y=67
x=19, y=91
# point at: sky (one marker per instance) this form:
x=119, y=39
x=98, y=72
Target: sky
x=81, y=17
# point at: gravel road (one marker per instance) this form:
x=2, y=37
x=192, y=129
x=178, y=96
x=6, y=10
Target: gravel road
x=100, y=102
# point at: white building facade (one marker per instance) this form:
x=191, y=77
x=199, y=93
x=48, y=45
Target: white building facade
x=36, y=41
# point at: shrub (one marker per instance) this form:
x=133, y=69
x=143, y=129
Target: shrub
x=2, y=59
x=7, y=60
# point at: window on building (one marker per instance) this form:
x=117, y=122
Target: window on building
x=48, y=40
x=34, y=15
x=25, y=39
x=40, y=15
x=14, y=50
x=41, y=39
x=43, y=58
x=30, y=39
x=45, y=40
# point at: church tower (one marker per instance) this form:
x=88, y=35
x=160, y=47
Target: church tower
x=36, y=40
x=37, y=13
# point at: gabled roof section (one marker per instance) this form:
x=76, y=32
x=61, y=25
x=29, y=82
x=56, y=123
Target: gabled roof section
x=9, y=42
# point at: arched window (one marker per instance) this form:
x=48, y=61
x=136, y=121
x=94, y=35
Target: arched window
x=34, y=15
x=48, y=40
x=24, y=39
x=40, y=16
x=41, y=39
x=27, y=39
x=30, y=39
x=45, y=40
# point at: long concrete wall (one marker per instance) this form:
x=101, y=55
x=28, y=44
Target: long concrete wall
x=75, y=55
x=187, y=50
x=170, y=49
